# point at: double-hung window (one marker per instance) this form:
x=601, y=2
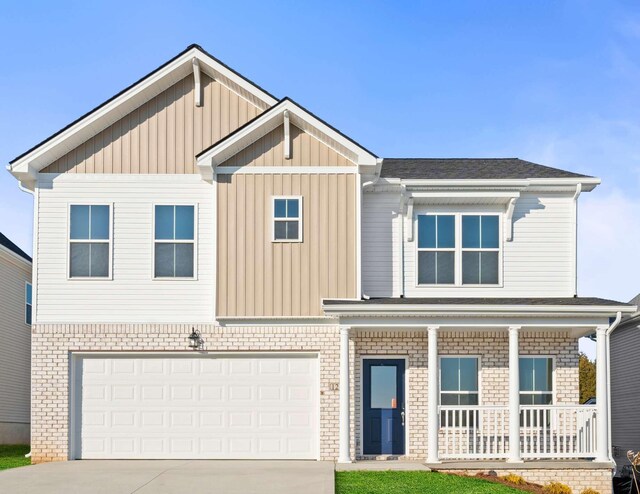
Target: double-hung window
x=287, y=219
x=480, y=249
x=174, y=242
x=458, y=249
x=28, y=304
x=436, y=249
x=458, y=387
x=536, y=380
x=89, y=241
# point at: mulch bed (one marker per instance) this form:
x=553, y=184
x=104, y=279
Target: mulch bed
x=526, y=487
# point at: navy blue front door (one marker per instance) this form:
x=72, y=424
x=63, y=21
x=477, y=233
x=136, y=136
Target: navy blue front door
x=383, y=407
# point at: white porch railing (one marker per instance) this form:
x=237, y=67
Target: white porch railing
x=482, y=432
x=474, y=432
x=558, y=431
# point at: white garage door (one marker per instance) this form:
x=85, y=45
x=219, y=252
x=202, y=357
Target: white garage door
x=242, y=407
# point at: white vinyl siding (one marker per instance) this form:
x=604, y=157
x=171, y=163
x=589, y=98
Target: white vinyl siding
x=132, y=294
x=538, y=262
x=15, y=341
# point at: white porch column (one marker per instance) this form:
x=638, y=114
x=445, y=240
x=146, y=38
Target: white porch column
x=514, y=396
x=432, y=397
x=345, y=428
x=602, y=445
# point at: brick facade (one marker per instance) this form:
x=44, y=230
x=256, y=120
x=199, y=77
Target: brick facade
x=53, y=344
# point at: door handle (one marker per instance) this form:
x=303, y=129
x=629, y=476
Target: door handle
x=402, y=417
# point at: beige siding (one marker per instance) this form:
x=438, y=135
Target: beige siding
x=164, y=134
x=15, y=341
x=257, y=277
x=306, y=150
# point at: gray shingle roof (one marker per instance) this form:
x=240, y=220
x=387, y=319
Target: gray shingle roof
x=5, y=242
x=469, y=168
x=566, y=301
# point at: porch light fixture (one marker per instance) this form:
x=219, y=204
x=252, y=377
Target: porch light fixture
x=195, y=340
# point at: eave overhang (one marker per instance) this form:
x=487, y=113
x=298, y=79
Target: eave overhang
x=26, y=166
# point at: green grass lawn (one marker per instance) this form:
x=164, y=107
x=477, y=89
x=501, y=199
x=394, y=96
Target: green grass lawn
x=12, y=455
x=398, y=482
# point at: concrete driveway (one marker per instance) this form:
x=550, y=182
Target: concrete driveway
x=170, y=476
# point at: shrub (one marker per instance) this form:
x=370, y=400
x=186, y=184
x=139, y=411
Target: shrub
x=589, y=491
x=515, y=479
x=556, y=488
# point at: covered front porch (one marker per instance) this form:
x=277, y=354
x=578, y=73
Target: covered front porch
x=445, y=385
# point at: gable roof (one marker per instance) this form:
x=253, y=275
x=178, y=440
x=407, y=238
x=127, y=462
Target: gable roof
x=27, y=164
x=9, y=245
x=264, y=123
x=469, y=168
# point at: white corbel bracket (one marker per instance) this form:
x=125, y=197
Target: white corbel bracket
x=509, y=219
x=287, y=136
x=196, y=78
x=410, y=218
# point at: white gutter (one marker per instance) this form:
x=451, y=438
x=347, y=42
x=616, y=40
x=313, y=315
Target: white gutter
x=611, y=329
x=575, y=239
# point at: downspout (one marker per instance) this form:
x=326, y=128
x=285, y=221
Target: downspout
x=370, y=183
x=32, y=193
x=575, y=239
x=611, y=329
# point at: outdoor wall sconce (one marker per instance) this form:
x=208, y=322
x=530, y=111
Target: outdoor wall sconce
x=195, y=340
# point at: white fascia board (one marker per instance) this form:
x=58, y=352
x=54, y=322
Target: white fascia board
x=568, y=184
x=128, y=101
x=410, y=309
x=273, y=118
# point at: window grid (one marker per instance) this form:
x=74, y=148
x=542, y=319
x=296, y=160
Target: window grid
x=450, y=418
x=173, y=241
x=286, y=218
x=480, y=248
x=437, y=249
x=90, y=241
x=533, y=392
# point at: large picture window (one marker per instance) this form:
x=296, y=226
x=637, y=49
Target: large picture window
x=480, y=249
x=174, y=242
x=436, y=249
x=89, y=241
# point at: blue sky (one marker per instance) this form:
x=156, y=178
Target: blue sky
x=552, y=81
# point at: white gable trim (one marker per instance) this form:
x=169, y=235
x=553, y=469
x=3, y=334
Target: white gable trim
x=26, y=167
x=273, y=118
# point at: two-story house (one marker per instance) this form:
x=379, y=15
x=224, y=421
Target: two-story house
x=222, y=274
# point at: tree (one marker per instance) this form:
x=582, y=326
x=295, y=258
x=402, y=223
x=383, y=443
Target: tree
x=587, y=378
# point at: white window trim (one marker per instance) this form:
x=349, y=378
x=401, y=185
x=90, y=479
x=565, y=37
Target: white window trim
x=453, y=249
x=298, y=219
x=483, y=249
x=458, y=214
x=479, y=392
x=27, y=304
x=553, y=379
x=166, y=241
x=109, y=241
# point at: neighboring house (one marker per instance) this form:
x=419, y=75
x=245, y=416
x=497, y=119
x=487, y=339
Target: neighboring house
x=340, y=306
x=15, y=343
x=625, y=387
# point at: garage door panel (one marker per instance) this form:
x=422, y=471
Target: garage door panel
x=202, y=407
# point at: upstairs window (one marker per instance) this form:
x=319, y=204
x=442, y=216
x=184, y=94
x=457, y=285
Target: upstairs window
x=287, y=219
x=536, y=380
x=480, y=249
x=458, y=249
x=89, y=241
x=436, y=249
x=28, y=305
x=174, y=242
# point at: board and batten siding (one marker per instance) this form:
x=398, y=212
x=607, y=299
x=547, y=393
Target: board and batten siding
x=625, y=389
x=306, y=150
x=132, y=295
x=163, y=135
x=15, y=341
x=258, y=277
x=538, y=262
